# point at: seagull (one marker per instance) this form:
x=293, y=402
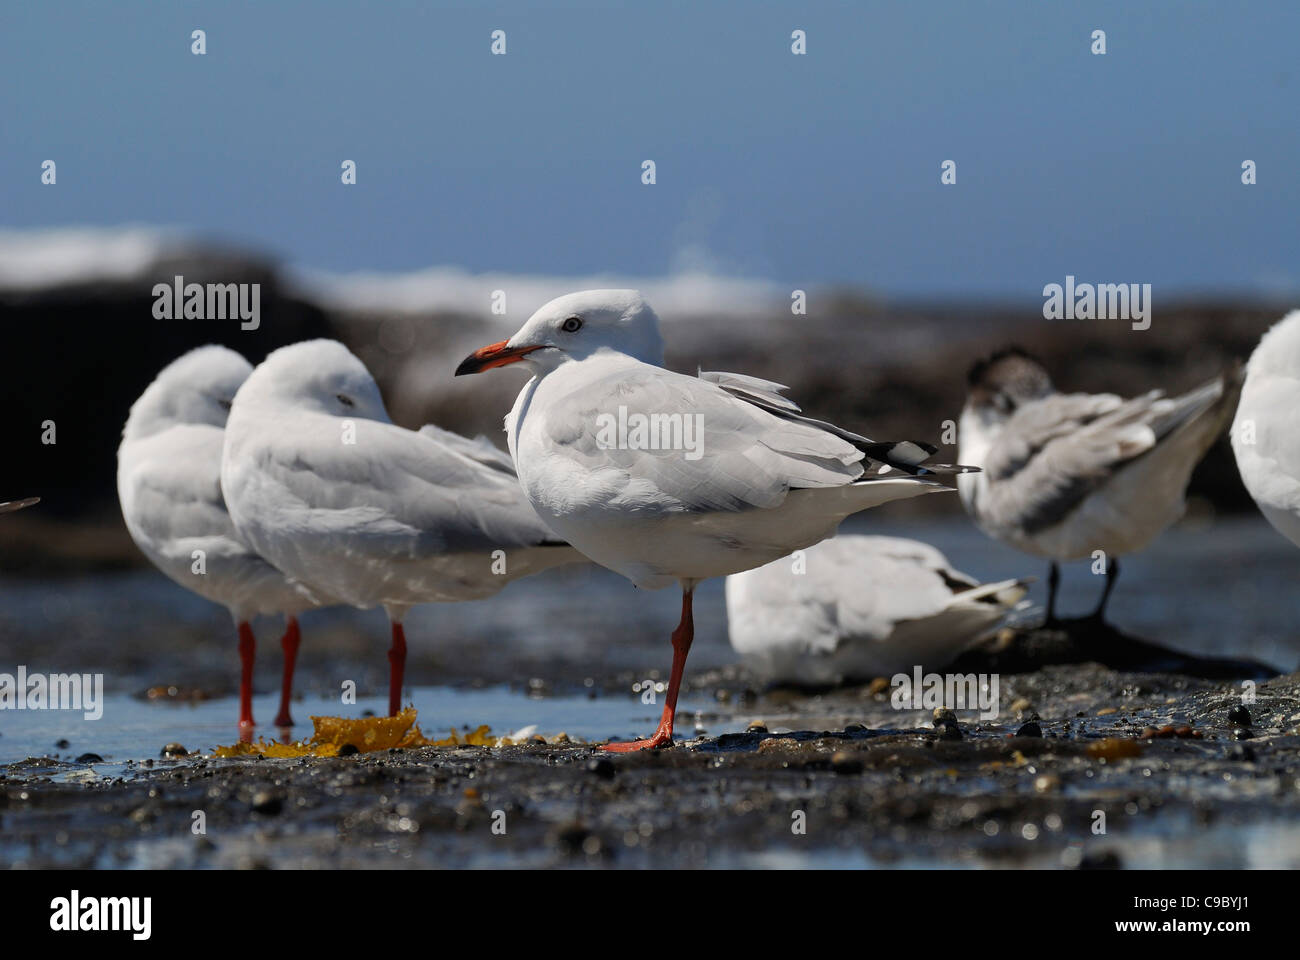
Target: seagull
x=169, y=487
x=667, y=478
x=858, y=607
x=9, y=506
x=1064, y=475
x=321, y=482
x=1265, y=438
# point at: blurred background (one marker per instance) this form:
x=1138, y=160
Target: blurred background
x=523, y=173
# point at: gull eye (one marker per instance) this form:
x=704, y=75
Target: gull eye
x=344, y=399
x=572, y=325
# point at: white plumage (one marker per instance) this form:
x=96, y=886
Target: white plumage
x=747, y=481
x=858, y=607
x=1265, y=434
x=321, y=481
x=169, y=487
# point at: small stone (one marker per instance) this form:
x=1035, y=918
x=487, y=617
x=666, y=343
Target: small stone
x=949, y=731
x=855, y=728
x=90, y=758
x=268, y=803
x=757, y=726
x=1107, y=711
x=1020, y=706
x=1030, y=729
x=878, y=685
x=845, y=763
x=174, y=750
x=1239, y=716
x=602, y=767
x=347, y=750
x=62, y=744
x=944, y=715
x=1242, y=733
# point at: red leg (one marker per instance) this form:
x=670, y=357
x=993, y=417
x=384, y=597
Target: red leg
x=289, y=644
x=682, y=638
x=396, y=669
x=247, y=646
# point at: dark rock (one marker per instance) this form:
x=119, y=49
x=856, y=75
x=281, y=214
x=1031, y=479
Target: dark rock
x=1239, y=716
x=90, y=758
x=1030, y=729
x=602, y=767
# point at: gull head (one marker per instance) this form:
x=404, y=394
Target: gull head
x=196, y=388
x=575, y=327
x=321, y=376
x=1001, y=384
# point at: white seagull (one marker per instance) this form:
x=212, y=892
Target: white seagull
x=321, y=481
x=1265, y=435
x=666, y=478
x=1064, y=475
x=169, y=486
x=856, y=607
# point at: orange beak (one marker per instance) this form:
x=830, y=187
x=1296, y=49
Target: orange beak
x=493, y=355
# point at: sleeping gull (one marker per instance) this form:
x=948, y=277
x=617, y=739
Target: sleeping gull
x=666, y=478
x=1065, y=475
x=1265, y=436
x=858, y=607
x=169, y=486
x=321, y=482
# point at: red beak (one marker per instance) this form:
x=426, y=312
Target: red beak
x=493, y=355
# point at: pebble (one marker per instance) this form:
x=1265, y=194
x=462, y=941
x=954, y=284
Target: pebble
x=949, y=731
x=853, y=728
x=1239, y=716
x=1030, y=729
x=944, y=715
x=845, y=763
x=174, y=750
x=1021, y=706
x=268, y=803
x=1242, y=733
x=347, y=750
x=62, y=744
x=757, y=726
x=90, y=758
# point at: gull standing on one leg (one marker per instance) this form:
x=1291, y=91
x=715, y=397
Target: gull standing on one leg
x=666, y=478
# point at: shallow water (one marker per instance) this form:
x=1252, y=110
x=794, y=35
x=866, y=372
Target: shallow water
x=135, y=729
x=1226, y=588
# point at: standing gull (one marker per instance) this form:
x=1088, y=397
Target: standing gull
x=855, y=608
x=321, y=481
x=1064, y=475
x=1265, y=435
x=169, y=486
x=666, y=478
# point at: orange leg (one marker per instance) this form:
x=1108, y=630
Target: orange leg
x=247, y=646
x=682, y=638
x=396, y=670
x=289, y=644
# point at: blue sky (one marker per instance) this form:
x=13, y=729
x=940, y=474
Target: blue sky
x=820, y=169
